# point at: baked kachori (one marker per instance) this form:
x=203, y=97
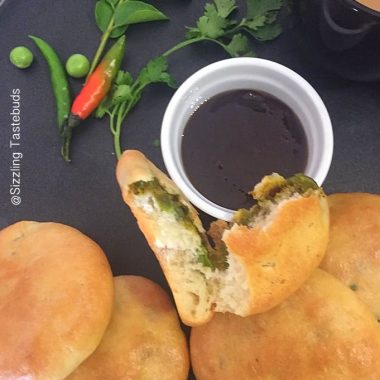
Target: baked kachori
x=56, y=298
x=262, y=257
x=353, y=251
x=143, y=341
x=321, y=332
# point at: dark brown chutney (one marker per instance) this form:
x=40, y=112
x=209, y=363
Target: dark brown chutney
x=235, y=138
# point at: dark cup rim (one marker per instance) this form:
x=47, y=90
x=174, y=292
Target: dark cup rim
x=339, y=28
x=364, y=8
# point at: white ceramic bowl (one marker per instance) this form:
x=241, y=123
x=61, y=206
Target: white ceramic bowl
x=245, y=73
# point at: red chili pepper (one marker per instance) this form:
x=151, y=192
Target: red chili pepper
x=98, y=84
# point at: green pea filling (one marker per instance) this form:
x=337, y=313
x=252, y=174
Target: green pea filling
x=354, y=287
x=166, y=202
x=217, y=258
x=170, y=203
x=281, y=189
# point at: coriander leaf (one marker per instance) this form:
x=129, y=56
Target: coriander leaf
x=156, y=71
x=210, y=10
x=239, y=46
x=121, y=94
x=123, y=77
x=211, y=24
x=261, y=7
x=134, y=12
x=256, y=22
x=267, y=32
x=103, y=107
x=103, y=14
x=225, y=7
x=153, y=70
x=100, y=111
x=192, y=33
x=168, y=79
x=271, y=17
x=118, y=31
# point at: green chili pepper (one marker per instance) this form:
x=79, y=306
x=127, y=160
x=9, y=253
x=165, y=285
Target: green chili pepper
x=60, y=89
x=58, y=80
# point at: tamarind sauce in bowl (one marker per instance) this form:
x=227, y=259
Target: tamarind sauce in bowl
x=233, y=122
x=235, y=138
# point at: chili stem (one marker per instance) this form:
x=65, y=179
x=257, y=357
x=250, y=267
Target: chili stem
x=102, y=44
x=65, y=150
x=132, y=104
x=116, y=136
x=112, y=120
x=100, y=50
x=182, y=45
x=122, y=114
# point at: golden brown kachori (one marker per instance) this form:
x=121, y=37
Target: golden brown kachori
x=263, y=256
x=353, y=251
x=321, y=332
x=144, y=340
x=56, y=299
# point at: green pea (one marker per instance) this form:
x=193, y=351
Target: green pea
x=77, y=66
x=21, y=57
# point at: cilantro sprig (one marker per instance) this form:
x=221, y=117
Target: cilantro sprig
x=216, y=25
x=126, y=93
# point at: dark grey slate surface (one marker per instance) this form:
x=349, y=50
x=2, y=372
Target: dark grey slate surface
x=84, y=194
